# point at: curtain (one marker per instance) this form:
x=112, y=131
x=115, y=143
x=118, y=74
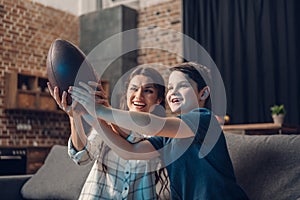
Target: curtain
x=255, y=46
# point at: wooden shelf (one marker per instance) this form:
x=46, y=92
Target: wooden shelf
x=261, y=129
x=27, y=92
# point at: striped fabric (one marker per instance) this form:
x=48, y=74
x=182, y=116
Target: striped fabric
x=124, y=179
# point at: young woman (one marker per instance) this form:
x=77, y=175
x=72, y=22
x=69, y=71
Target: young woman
x=112, y=177
x=178, y=140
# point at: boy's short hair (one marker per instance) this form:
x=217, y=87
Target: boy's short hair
x=198, y=73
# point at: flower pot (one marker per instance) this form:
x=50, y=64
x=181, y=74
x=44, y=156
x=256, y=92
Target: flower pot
x=278, y=119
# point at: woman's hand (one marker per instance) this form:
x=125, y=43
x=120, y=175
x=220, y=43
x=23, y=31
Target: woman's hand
x=61, y=102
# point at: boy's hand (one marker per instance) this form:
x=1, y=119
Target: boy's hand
x=99, y=93
x=86, y=96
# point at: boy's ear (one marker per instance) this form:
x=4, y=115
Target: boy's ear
x=159, y=100
x=204, y=93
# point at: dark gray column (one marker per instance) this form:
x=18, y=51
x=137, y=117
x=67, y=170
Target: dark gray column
x=96, y=27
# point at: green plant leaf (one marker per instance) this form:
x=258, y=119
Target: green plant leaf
x=277, y=109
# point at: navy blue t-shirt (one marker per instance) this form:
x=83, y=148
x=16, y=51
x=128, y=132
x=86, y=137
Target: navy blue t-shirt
x=208, y=175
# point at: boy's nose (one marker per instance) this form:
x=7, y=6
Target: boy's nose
x=174, y=91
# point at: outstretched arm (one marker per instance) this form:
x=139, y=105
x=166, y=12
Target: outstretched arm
x=103, y=99
x=144, y=123
x=142, y=150
x=78, y=134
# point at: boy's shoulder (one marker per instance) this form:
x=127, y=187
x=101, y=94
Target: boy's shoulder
x=197, y=111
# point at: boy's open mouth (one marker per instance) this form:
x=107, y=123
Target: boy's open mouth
x=175, y=100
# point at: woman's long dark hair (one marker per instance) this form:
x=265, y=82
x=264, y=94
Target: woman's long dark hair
x=158, y=82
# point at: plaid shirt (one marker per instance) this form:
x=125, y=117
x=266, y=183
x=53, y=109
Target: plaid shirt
x=124, y=179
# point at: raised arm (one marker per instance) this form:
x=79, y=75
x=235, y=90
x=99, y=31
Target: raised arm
x=103, y=100
x=142, y=150
x=144, y=123
x=78, y=137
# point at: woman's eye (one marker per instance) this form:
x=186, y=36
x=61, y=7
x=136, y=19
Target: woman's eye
x=148, y=91
x=170, y=88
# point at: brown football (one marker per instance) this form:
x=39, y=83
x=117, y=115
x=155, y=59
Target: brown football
x=67, y=65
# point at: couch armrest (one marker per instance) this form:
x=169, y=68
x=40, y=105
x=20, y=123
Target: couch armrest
x=12, y=185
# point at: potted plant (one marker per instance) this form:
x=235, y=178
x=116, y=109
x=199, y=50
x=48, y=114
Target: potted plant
x=278, y=113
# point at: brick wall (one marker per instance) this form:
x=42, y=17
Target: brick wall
x=153, y=19
x=26, y=32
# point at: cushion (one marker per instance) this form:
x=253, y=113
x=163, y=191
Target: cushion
x=266, y=167
x=59, y=178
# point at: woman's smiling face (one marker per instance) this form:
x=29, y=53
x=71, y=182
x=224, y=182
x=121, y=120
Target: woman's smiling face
x=141, y=94
x=182, y=93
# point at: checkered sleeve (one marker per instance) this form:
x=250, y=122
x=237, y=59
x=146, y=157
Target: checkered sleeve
x=91, y=150
x=135, y=137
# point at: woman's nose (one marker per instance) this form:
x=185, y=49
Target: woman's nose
x=139, y=93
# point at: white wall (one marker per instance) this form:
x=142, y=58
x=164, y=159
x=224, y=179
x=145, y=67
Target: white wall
x=79, y=7
x=86, y=6
x=136, y=4
x=76, y=7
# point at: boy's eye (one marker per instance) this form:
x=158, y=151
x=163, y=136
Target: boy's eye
x=133, y=88
x=184, y=85
x=170, y=88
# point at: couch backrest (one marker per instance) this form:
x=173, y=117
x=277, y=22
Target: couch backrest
x=266, y=167
x=59, y=178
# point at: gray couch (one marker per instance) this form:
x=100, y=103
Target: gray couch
x=266, y=167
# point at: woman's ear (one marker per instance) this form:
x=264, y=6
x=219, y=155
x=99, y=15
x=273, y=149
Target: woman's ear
x=204, y=93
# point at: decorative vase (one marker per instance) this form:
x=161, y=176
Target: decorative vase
x=278, y=119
